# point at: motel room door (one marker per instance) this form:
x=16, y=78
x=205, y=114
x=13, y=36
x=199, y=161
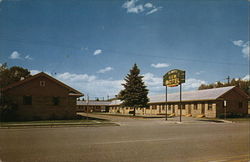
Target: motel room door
x=173, y=108
x=189, y=108
x=202, y=108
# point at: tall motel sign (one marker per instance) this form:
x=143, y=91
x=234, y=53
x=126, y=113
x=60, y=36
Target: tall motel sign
x=174, y=78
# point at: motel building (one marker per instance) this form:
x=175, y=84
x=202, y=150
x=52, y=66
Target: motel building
x=41, y=97
x=92, y=106
x=209, y=103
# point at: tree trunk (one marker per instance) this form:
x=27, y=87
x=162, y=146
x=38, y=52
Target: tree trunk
x=134, y=112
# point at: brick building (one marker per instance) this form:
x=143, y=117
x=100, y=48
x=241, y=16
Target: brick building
x=92, y=106
x=42, y=97
x=209, y=103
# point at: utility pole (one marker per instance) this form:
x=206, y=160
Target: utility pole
x=166, y=108
x=87, y=106
x=228, y=79
x=180, y=103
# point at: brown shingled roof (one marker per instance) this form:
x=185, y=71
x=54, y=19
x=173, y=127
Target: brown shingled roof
x=72, y=90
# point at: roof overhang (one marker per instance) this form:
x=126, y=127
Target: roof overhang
x=76, y=94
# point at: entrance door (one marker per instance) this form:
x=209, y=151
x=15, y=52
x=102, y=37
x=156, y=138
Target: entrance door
x=189, y=109
x=203, y=108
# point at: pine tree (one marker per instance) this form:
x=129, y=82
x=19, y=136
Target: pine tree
x=135, y=92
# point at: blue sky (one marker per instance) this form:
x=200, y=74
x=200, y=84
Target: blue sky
x=92, y=44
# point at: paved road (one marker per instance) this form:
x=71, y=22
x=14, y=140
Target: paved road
x=135, y=140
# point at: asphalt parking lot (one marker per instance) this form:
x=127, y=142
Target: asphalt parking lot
x=134, y=140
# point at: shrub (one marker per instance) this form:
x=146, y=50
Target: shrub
x=8, y=110
x=131, y=112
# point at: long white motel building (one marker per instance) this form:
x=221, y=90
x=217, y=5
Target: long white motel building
x=209, y=103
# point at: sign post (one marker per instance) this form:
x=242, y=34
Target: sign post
x=180, y=103
x=87, y=107
x=166, y=105
x=173, y=78
x=225, y=109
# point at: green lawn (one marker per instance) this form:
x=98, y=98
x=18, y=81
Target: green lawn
x=238, y=119
x=47, y=121
x=54, y=123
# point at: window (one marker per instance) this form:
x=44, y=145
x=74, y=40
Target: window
x=154, y=107
x=27, y=100
x=169, y=107
x=240, y=105
x=210, y=106
x=42, y=83
x=55, y=101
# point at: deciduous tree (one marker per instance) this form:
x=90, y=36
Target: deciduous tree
x=11, y=75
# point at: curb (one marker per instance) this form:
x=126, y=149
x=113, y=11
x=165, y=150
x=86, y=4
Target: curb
x=57, y=125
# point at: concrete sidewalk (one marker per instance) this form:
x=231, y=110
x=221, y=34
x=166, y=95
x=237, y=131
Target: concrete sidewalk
x=170, y=120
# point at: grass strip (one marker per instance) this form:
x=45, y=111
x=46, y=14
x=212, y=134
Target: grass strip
x=56, y=123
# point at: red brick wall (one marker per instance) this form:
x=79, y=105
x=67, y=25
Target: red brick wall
x=233, y=98
x=42, y=100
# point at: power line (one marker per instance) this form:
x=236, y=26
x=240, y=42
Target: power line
x=117, y=52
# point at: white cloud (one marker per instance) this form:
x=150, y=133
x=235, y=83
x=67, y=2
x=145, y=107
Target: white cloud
x=133, y=7
x=246, y=51
x=97, y=52
x=153, y=10
x=15, y=55
x=34, y=72
x=76, y=77
x=90, y=84
x=160, y=65
x=151, y=80
x=106, y=69
x=192, y=83
x=148, y=5
x=245, y=47
x=27, y=57
x=136, y=9
x=84, y=48
x=153, y=83
x=247, y=78
x=238, y=43
x=199, y=72
x=129, y=4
